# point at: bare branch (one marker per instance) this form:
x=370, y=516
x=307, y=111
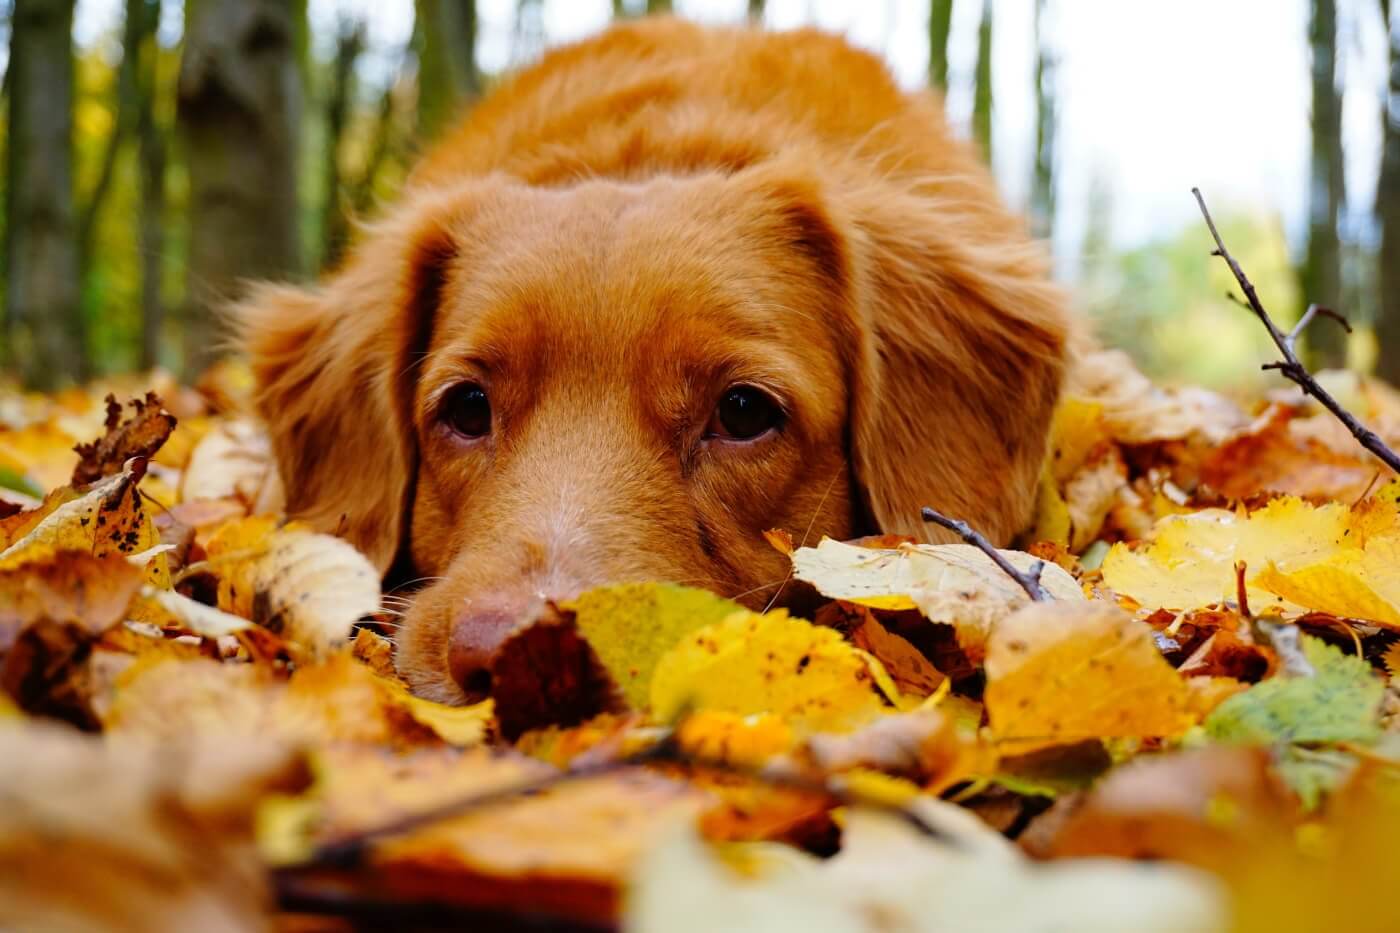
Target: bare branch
x=1028, y=580
x=1290, y=366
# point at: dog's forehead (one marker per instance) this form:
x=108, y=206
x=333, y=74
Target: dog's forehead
x=605, y=270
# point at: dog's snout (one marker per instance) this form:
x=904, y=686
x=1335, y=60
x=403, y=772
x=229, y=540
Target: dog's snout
x=477, y=635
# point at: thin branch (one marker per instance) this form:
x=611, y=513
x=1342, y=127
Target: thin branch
x=349, y=851
x=1028, y=580
x=1290, y=366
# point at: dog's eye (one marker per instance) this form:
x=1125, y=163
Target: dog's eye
x=744, y=413
x=467, y=411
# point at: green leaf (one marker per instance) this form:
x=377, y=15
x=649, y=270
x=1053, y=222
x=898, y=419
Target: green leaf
x=9, y=479
x=1338, y=703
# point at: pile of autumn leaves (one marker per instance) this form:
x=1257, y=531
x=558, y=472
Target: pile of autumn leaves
x=200, y=724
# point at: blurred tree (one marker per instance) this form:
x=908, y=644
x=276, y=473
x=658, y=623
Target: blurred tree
x=528, y=38
x=447, y=68
x=1322, y=265
x=1388, y=210
x=982, y=84
x=151, y=153
x=240, y=99
x=756, y=9
x=1043, y=180
x=335, y=223
x=619, y=9
x=940, y=24
x=122, y=126
x=658, y=6
x=42, y=297
x=134, y=117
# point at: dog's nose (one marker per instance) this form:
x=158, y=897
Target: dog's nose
x=477, y=635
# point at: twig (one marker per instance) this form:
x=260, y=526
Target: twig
x=1290, y=366
x=1029, y=580
x=349, y=851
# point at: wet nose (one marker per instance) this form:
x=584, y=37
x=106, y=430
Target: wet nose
x=477, y=634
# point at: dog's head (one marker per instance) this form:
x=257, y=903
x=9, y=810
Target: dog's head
x=522, y=392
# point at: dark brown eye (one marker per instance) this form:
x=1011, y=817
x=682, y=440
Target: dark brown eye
x=467, y=411
x=744, y=413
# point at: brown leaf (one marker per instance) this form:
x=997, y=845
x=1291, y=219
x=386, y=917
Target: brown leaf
x=911, y=672
x=546, y=674
x=1186, y=806
x=98, y=836
x=140, y=435
x=563, y=851
x=52, y=610
x=1273, y=456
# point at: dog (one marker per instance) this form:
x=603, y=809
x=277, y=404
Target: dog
x=670, y=287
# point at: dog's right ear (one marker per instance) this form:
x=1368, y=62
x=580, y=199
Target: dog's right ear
x=334, y=369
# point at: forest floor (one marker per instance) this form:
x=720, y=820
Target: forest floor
x=199, y=700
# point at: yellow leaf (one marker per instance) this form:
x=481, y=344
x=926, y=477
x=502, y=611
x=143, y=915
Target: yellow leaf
x=109, y=518
x=1059, y=673
x=753, y=664
x=1329, y=558
x=1052, y=521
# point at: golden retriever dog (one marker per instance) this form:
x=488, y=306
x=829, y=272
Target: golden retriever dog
x=668, y=288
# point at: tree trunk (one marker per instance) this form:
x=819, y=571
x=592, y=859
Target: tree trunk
x=42, y=292
x=1043, y=181
x=447, y=70
x=125, y=108
x=757, y=9
x=1322, y=266
x=151, y=156
x=658, y=6
x=1388, y=209
x=335, y=223
x=982, y=87
x=940, y=24
x=239, y=110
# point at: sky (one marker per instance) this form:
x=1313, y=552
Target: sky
x=1154, y=96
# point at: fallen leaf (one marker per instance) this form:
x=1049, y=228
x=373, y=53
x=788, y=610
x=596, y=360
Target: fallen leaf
x=952, y=583
x=889, y=876
x=753, y=664
x=104, y=836
x=1059, y=673
x=547, y=674
x=563, y=851
x=1338, y=703
x=1273, y=456
x=109, y=518
x=232, y=461
x=632, y=625
x=141, y=435
x=309, y=588
x=1332, y=559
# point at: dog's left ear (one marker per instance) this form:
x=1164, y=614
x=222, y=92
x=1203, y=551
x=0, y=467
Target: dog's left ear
x=964, y=341
x=334, y=368
x=954, y=340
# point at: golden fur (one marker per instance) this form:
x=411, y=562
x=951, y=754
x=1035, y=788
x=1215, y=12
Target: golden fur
x=608, y=241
